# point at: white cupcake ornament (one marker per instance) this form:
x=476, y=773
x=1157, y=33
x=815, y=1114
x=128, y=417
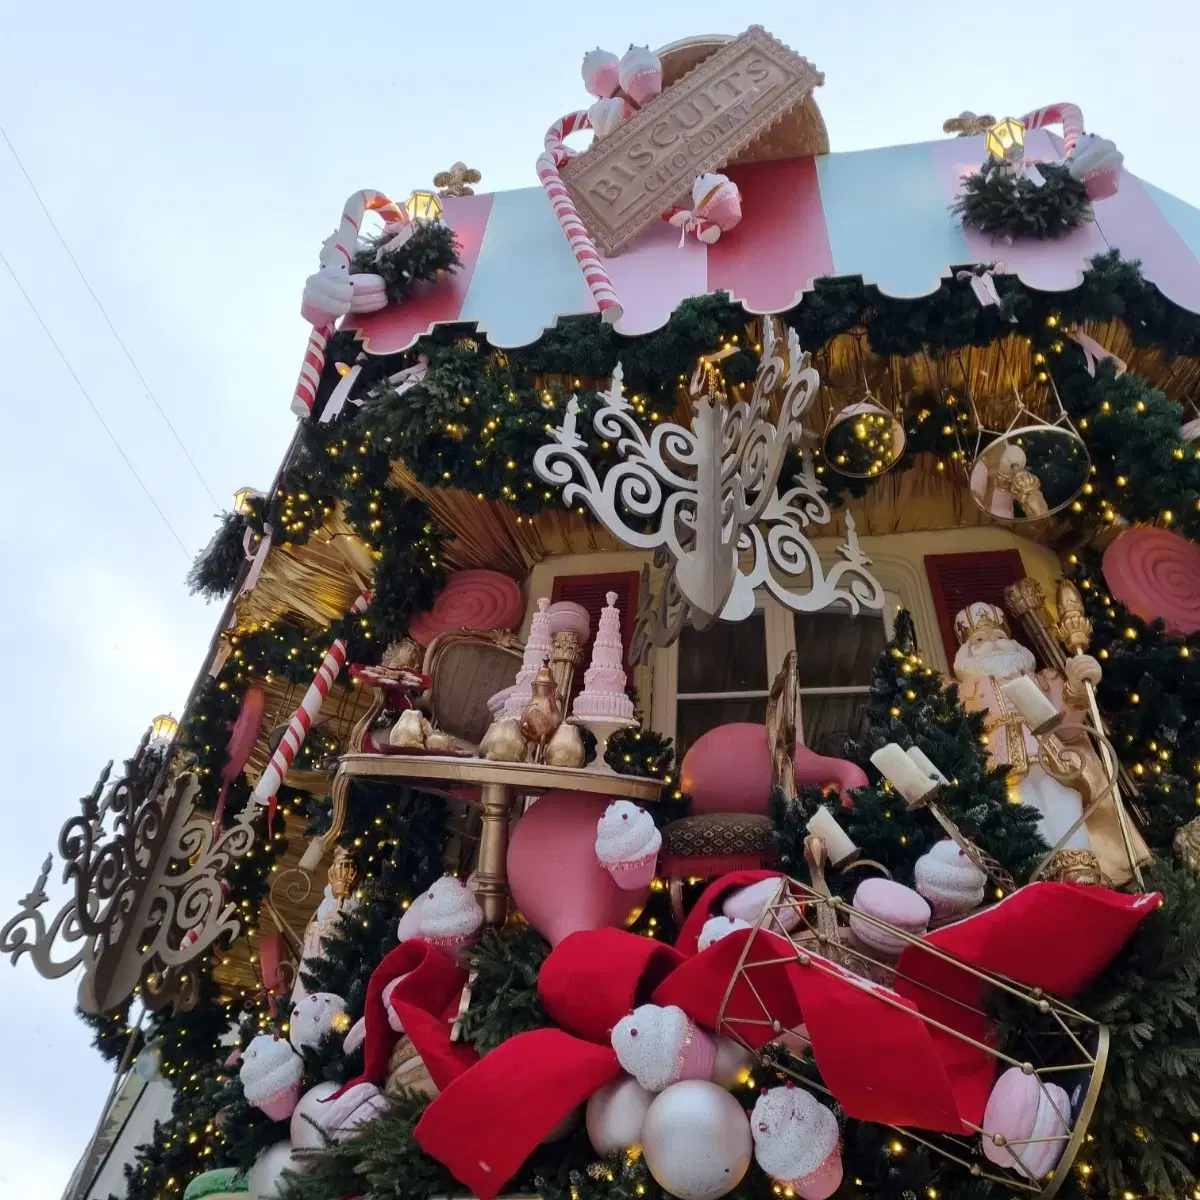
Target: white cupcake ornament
x=660, y=1046
x=627, y=844
x=314, y=1016
x=949, y=880
x=641, y=74
x=796, y=1142
x=716, y=928
x=601, y=73
x=271, y=1072
x=450, y=915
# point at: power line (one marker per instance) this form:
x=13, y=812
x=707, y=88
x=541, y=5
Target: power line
x=4, y=262
x=108, y=321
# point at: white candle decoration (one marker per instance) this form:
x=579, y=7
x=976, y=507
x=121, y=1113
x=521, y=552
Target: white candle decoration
x=1030, y=701
x=902, y=773
x=837, y=841
x=926, y=764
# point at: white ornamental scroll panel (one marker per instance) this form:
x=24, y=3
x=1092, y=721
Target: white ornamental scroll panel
x=707, y=498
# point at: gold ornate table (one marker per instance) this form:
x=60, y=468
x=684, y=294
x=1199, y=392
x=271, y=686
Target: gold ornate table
x=499, y=784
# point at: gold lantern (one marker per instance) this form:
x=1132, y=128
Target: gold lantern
x=1006, y=140
x=423, y=206
x=242, y=499
x=163, y=729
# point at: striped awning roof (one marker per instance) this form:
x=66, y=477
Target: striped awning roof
x=879, y=214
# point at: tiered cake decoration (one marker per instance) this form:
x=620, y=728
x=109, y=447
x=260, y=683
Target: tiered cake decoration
x=602, y=706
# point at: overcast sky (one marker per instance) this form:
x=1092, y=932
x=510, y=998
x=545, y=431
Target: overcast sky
x=194, y=158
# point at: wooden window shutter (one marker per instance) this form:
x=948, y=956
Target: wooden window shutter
x=957, y=580
x=589, y=591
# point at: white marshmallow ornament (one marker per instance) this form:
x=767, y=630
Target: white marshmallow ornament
x=601, y=73
x=661, y=1046
x=747, y=904
x=627, y=845
x=641, y=74
x=319, y=1119
x=313, y=1017
x=797, y=1142
x=949, y=880
x=716, y=928
x=615, y=1115
x=450, y=915
x=271, y=1072
x=696, y=1141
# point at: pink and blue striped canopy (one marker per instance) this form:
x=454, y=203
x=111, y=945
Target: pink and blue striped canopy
x=881, y=214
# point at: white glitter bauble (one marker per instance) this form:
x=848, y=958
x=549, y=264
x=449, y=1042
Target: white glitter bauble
x=615, y=1115
x=313, y=1017
x=696, y=1139
x=733, y=1063
x=267, y=1169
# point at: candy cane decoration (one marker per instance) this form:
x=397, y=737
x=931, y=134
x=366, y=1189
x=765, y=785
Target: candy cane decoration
x=1066, y=115
x=325, y=299
x=293, y=738
x=557, y=152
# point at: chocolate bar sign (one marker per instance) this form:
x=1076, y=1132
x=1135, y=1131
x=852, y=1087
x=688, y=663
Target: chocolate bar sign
x=624, y=184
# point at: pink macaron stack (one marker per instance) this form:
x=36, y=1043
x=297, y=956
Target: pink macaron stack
x=898, y=906
x=1026, y=1124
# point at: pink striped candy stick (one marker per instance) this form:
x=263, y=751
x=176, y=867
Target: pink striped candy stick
x=556, y=153
x=335, y=259
x=269, y=783
x=1066, y=115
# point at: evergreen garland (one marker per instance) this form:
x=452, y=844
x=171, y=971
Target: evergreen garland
x=996, y=200
x=216, y=568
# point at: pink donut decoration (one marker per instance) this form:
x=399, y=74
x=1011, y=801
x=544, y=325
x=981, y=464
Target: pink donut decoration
x=1156, y=574
x=567, y=615
x=480, y=600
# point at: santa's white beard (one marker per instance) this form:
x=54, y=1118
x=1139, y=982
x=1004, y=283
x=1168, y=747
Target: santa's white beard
x=1006, y=663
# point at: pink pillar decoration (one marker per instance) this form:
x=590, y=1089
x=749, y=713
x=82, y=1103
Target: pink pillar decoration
x=1156, y=573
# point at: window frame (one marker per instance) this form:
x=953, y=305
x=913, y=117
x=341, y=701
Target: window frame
x=780, y=633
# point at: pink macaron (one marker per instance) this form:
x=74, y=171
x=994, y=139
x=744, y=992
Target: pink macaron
x=1026, y=1124
x=899, y=906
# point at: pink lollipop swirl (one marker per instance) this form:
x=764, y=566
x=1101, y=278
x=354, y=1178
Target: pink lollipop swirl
x=1156, y=573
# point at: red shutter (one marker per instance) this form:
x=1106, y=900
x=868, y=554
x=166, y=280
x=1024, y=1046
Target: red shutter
x=958, y=580
x=589, y=591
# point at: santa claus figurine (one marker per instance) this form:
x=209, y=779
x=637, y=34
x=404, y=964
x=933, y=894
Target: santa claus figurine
x=988, y=657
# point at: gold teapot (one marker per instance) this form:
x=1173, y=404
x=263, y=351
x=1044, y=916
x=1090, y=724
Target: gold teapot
x=543, y=714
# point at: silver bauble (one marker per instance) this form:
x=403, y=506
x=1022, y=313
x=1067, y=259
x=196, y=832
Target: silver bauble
x=615, y=1115
x=696, y=1139
x=148, y=1064
x=268, y=1167
x=733, y=1063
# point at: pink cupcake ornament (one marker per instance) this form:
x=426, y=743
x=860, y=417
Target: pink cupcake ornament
x=313, y=1017
x=716, y=198
x=1020, y=1113
x=450, y=916
x=271, y=1072
x=716, y=928
x=949, y=880
x=796, y=1142
x=601, y=73
x=894, y=903
x=627, y=844
x=661, y=1046
x=1096, y=163
x=747, y=904
x=641, y=74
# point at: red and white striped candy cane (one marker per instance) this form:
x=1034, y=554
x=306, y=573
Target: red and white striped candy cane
x=335, y=256
x=293, y=738
x=1066, y=115
x=556, y=153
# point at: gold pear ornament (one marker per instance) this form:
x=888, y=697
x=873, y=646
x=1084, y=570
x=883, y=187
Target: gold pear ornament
x=565, y=748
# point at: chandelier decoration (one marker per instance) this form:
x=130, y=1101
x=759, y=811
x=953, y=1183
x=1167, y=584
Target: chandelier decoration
x=707, y=499
x=148, y=894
